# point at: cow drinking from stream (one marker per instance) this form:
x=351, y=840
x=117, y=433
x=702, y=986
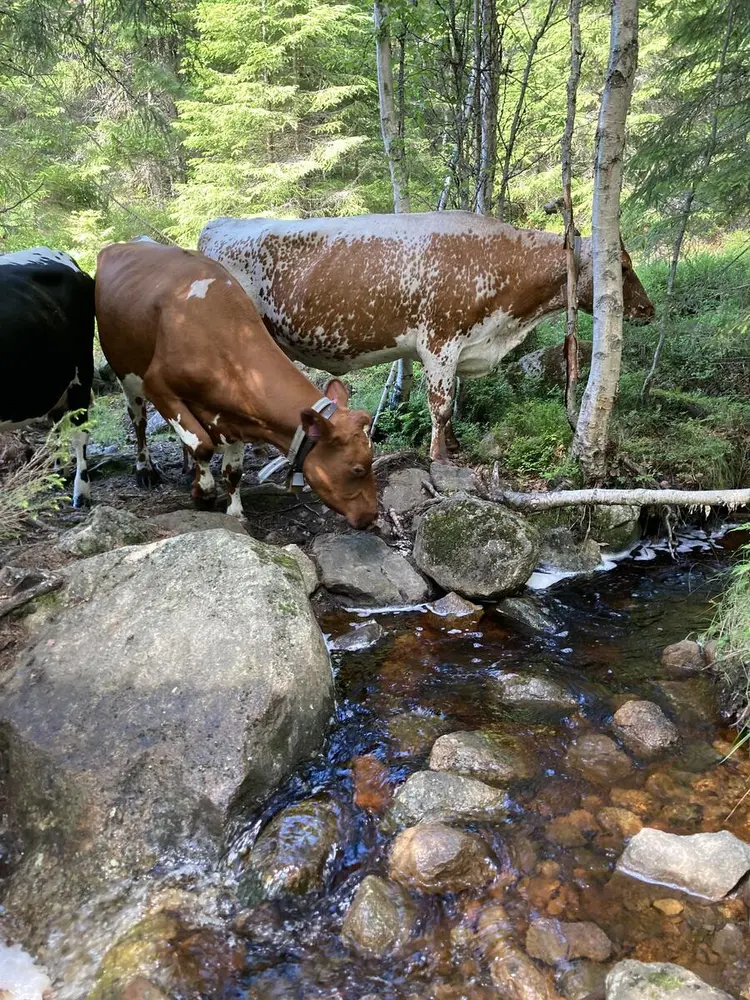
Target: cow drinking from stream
x=179, y=331
x=47, y=346
x=454, y=290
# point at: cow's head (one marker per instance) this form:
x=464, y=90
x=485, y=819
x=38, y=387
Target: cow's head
x=637, y=307
x=339, y=468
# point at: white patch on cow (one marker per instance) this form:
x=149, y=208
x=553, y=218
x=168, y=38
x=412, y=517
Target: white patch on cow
x=199, y=288
x=188, y=438
x=132, y=386
x=206, y=482
x=233, y=459
x=215, y=421
x=235, y=505
x=81, y=486
x=39, y=255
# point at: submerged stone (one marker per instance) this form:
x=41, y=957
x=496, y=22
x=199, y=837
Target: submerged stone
x=436, y=858
x=438, y=795
x=380, y=918
x=631, y=980
x=704, y=864
x=531, y=690
x=597, y=758
x=644, y=728
x=478, y=755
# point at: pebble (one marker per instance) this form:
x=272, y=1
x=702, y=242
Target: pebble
x=669, y=907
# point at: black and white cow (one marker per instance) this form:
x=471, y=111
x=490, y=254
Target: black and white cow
x=47, y=345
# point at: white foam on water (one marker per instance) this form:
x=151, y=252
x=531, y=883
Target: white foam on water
x=392, y=610
x=541, y=579
x=20, y=975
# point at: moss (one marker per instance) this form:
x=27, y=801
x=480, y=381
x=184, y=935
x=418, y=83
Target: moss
x=664, y=980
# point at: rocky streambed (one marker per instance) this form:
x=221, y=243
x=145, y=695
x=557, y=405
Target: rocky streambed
x=494, y=794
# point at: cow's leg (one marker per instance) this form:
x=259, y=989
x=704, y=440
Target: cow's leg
x=79, y=398
x=231, y=470
x=441, y=376
x=193, y=436
x=146, y=473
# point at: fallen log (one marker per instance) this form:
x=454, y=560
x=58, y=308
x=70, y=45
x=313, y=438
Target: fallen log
x=732, y=499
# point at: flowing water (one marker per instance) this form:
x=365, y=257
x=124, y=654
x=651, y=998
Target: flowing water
x=430, y=676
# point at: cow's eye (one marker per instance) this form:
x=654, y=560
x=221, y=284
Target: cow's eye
x=358, y=471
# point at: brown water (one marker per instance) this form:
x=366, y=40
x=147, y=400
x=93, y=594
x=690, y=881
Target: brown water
x=615, y=626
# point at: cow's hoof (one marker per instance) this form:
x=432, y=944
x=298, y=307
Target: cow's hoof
x=204, y=501
x=81, y=503
x=147, y=479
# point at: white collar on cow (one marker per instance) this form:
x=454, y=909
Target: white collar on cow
x=301, y=446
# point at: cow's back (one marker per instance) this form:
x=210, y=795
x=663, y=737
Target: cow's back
x=46, y=331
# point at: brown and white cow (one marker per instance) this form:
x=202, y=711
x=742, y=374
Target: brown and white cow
x=453, y=290
x=178, y=330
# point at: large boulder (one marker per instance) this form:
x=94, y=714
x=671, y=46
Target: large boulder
x=365, y=570
x=631, y=980
x=475, y=547
x=164, y=684
x=547, y=364
x=615, y=526
x=183, y=522
x=704, y=864
x=561, y=550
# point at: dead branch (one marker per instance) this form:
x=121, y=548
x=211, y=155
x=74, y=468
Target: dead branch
x=45, y=587
x=639, y=498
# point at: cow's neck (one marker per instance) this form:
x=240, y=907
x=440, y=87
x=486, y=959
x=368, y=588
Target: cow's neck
x=541, y=291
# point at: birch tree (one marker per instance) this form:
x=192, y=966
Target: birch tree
x=571, y=318
x=590, y=441
x=488, y=77
x=393, y=131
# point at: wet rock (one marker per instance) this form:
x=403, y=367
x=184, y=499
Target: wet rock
x=630, y=980
x=372, y=785
x=365, y=570
x=104, y=529
x=644, y=728
x=634, y=800
x=437, y=795
x=527, y=689
x=455, y=606
x=528, y=613
x=555, y=941
x=360, y=637
x=164, y=953
x=151, y=697
x=669, y=907
x=405, y=490
x=597, y=759
x=620, y=821
x=573, y=830
x=414, y=732
x=515, y=976
x=478, y=755
x=292, y=852
x=306, y=567
x=583, y=981
x=693, y=700
x=477, y=548
x=704, y=864
x=380, y=918
x=452, y=478
x=181, y=522
x=561, y=550
x=616, y=527
x=682, y=659
x=730, y=942
x=436, y=858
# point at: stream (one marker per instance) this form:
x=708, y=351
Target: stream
x=555, y=856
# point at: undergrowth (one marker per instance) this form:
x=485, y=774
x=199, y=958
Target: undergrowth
x=731, y=630
x=30, y=490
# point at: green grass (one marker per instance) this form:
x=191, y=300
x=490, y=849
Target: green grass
x=731, y=630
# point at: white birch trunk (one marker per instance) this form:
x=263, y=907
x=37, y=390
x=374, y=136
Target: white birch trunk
x=489, y=84
x=393, y=142
x=590, y=442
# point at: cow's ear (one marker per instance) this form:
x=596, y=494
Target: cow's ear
x=313, y=424
x=338, y=392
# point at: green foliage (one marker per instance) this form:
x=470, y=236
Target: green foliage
x=731, y=630
x=30, y=490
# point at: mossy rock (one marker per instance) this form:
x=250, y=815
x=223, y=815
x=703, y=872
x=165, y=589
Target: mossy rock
x=477, y=548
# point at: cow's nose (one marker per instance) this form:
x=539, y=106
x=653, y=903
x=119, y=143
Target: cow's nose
x=362, y=519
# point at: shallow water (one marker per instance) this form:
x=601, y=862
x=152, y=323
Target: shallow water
x=614, y=626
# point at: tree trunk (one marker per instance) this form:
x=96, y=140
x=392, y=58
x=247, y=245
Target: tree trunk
x=571, y=321
x=489, y=85
x=687, y=206
x=590, y=442
x=392, y=133
x=532, y=502
x=502, y=201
